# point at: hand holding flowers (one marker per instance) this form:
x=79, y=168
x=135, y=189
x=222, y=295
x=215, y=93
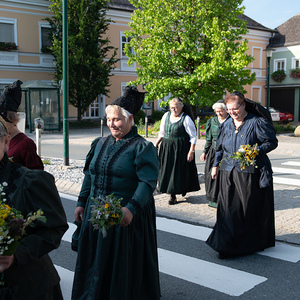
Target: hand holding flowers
x=13, y=224
x=246, y=154
x=106, y=213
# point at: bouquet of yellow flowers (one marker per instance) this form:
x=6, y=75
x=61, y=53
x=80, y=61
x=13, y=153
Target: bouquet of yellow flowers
x=106, y=212
x=246, y=154
x=13, y=224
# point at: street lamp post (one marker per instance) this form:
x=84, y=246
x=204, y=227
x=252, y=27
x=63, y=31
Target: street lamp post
x=269, y=55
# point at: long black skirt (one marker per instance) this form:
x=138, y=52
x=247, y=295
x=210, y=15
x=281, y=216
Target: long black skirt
x=211, y=185
x=176, y=174
x=245, y=215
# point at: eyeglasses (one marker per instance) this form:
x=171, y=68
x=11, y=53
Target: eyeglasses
x=233, y=109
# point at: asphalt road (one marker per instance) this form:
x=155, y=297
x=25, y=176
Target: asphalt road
x=190, y=270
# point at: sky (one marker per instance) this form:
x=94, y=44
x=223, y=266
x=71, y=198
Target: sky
x=271, y=13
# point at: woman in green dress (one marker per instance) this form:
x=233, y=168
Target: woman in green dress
x=178, y=173
x=30, y=271
x=124, y=264
x=209, y=152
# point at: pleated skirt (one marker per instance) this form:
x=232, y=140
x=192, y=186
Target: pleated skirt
x=211, y=185
x=245, y=215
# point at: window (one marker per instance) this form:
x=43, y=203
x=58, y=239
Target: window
x=279, y=64
x=8, y=32
x=44, y=37
x=295, y=63
x=257, y=54
x=124, y=40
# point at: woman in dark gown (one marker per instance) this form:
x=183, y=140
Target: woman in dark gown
x=245, y=214
x=22, y=149
x=124, y=264
x=178, y=173
x=209, y=152
x=30, y=269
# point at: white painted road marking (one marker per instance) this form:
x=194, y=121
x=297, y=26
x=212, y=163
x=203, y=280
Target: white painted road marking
x=286, y=170
x=292, y=163
x=287, y=181
x=226, y=280
x=66, y=281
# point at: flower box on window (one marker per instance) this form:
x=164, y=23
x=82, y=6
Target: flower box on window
x=278, y=75
x=295, y=73
x=7, y=46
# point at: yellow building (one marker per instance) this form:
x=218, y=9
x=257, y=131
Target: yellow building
x=22, y=22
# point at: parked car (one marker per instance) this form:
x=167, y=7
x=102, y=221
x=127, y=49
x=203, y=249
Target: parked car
x=274, y=114
x=282, y=116
x=285, y=116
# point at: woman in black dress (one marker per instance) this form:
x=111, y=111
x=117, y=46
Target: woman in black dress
x=209, y=152
x=245, y=213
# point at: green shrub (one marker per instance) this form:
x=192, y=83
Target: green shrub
x=156, y=115
x=280, y=127
x=139, y=118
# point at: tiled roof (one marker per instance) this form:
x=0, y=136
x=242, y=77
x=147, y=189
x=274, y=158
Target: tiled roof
x=251, y=24
x=121, y=4
x=288, y=33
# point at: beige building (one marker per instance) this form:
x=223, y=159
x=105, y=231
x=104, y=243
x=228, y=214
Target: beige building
x=22, y=22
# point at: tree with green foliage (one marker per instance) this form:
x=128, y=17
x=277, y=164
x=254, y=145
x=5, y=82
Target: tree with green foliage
x=91, y=58
x=193, y=49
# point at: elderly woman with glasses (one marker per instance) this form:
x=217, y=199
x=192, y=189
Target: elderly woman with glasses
x=178, y=137
x=245, y=214
x=209, y=152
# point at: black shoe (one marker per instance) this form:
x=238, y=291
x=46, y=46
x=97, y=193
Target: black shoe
x=172, y=200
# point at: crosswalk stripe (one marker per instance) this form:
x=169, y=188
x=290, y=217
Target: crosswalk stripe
x=223, y=279
x=69, y=197
x=292, y=163
x=283, y=252
x=229, y=281
x=287, y=181
x=280, y=251
x=66, y=281
x=286, y=170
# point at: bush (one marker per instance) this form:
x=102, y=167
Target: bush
x=279, y=127
x=139, y=118
x=156, y=115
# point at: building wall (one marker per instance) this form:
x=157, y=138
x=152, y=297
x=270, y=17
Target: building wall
x=28, y=63
x=258, y=41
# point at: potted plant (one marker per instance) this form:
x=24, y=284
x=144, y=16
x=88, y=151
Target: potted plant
x=8, y=46
x=295, y=73
x=278, y=75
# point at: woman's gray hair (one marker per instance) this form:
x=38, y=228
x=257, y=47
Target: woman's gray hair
x=177, y=101
x=123, y=111
x=219, y=105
